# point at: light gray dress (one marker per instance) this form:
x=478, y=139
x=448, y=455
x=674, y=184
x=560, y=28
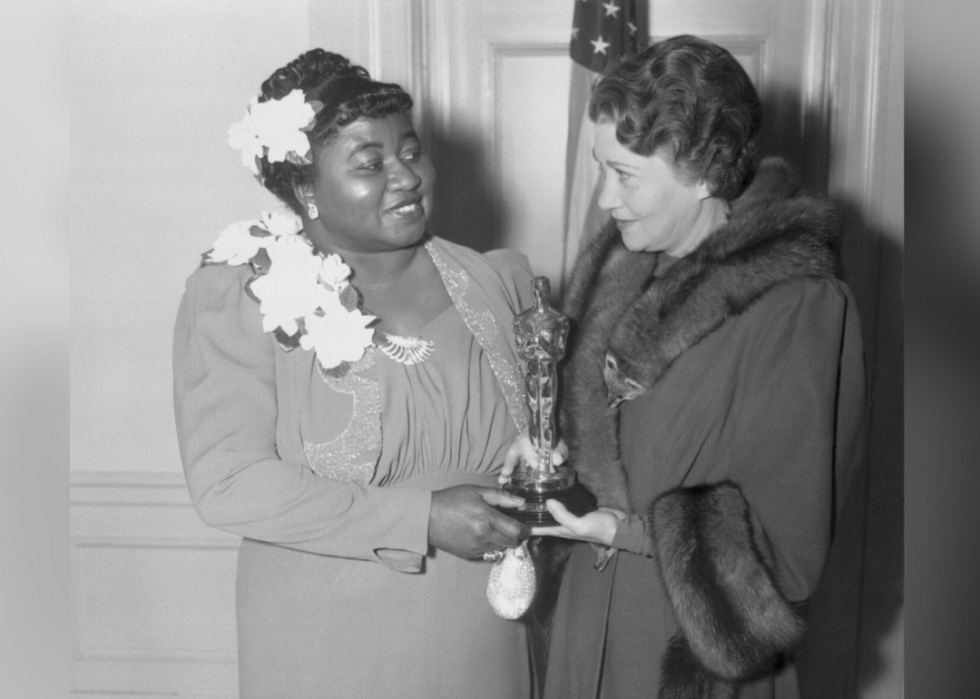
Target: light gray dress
x=329, y=481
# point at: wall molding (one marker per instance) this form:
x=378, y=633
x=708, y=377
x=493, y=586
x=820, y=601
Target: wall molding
x=432, y=27
x=818, y=72
x=128, y=488
x=104, y=654
x=228, y=541
x=871, y=110
x=143, y=521
x=859, y=56
x=392, y=33
x=143, y=479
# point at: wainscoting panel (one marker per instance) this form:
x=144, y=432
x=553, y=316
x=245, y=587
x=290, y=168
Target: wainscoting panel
x=153, y=591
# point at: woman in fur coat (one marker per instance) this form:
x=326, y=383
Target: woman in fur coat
x=714, y=396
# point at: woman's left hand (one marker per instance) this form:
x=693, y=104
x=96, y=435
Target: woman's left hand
x=598, y=527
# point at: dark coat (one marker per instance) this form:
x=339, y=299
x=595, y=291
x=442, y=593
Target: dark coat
x=742, y=372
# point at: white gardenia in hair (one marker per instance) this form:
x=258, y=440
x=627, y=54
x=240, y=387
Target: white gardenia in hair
x=274, y=128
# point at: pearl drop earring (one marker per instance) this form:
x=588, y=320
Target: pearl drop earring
x=312, y=211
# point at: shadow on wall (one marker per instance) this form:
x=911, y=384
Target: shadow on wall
x=943, y=443
x=883, y=583
x=782, y=115
x=859, y=605
x=467, y=209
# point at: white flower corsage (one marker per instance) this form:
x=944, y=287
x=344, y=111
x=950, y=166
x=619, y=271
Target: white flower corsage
x=305, y=299
x=276, y=129
x=241, y=241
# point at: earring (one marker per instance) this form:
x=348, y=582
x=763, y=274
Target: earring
x=312, y=211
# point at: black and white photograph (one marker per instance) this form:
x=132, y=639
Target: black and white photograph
x=502, y=349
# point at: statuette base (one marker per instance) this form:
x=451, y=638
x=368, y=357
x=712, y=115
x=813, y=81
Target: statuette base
x=562, y=486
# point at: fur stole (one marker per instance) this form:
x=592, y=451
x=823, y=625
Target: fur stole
x=628, y=328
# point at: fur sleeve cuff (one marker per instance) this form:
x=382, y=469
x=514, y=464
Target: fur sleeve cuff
x=733, y=619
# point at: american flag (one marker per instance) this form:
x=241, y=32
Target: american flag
x=601, y=32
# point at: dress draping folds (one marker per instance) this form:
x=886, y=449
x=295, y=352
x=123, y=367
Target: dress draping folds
x=338, y=591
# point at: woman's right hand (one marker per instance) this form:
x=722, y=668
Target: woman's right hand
x=463, y=521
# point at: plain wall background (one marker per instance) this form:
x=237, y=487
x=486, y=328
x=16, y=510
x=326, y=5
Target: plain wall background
x=155, y=85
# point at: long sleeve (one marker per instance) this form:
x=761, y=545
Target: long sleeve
x=786, y=431
x=737, y=550
x=633, y=534
x=226, y=408
x=792, y=410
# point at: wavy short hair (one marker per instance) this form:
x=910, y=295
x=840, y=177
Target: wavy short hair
x=691, y=97
x=347, y=92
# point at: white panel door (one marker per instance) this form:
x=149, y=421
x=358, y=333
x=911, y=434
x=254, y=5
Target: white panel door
x=496, y=99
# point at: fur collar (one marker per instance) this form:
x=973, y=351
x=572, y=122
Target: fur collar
x=629, y=326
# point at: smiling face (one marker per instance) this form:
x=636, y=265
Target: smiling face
x=655, y=210
x=372, y=187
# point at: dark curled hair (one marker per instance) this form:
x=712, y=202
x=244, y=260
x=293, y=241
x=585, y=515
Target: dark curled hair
x=692, y=97
x=347, y=93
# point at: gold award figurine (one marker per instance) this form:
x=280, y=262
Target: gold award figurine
x=541, y=334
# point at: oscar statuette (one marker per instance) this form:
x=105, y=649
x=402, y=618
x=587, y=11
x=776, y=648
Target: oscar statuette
x=541, y=334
